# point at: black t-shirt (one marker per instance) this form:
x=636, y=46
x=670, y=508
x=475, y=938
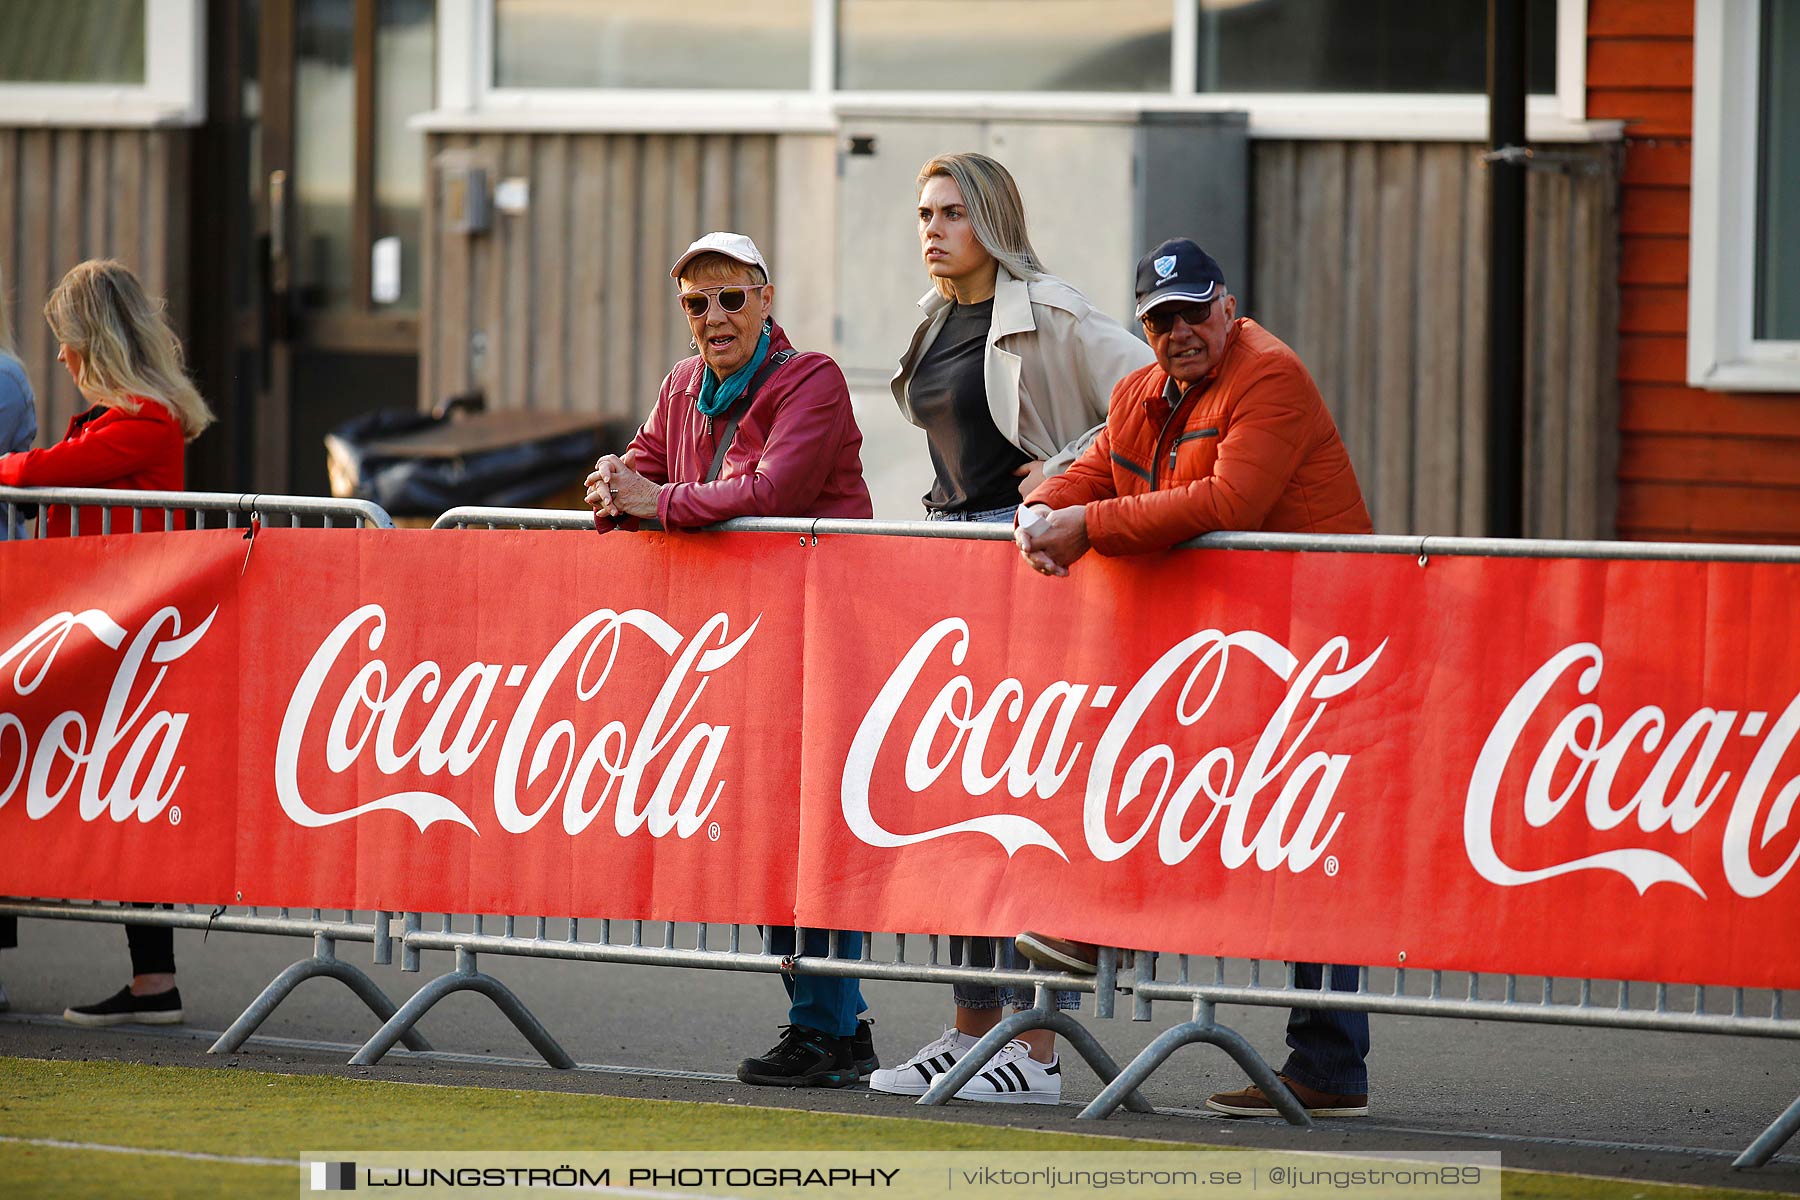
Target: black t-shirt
x=974, y=462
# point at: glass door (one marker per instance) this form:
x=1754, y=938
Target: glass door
x=313, y=106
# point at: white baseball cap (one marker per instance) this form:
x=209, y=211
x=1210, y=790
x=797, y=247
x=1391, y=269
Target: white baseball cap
x=731, y=245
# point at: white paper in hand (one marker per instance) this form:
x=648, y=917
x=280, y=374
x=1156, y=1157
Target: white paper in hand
x=1032, y=521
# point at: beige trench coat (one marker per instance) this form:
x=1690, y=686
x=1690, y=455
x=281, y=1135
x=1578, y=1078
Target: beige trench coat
x=1052, y=360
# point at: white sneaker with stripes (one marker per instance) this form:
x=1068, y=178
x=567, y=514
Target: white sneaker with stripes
x=1014, y=1077
x=914, y=1076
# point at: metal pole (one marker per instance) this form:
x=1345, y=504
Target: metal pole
x=1506, y=159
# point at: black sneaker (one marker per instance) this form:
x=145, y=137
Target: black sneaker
x=862, y=1049
x=804, y=1057
x=123, y=1008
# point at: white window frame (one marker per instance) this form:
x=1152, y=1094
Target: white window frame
x=173, y=92
x=1723, y=351
x=468, y=99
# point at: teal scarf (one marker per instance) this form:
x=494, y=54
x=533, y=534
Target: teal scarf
x=716, y=397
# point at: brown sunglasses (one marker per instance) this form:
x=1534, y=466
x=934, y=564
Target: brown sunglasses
x=1161, y=320
x=732, y=298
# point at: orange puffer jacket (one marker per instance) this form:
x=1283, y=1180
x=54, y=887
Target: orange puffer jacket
x=1249, y=448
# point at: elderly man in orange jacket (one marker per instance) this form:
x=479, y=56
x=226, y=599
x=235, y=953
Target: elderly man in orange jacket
x=1225, y=430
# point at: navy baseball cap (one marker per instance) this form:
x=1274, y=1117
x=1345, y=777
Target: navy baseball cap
x=1176, y=270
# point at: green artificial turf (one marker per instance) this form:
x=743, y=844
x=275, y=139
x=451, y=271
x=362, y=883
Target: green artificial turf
x=256, y=1115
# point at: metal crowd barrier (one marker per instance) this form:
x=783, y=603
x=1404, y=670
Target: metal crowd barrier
x=1595, y=1003
x=705, y=953
x=325, y=931
x=228, y=510
x=1648, y=1005
x=155, y=512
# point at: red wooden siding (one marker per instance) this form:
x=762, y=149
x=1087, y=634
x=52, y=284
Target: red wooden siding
x=1693, y=465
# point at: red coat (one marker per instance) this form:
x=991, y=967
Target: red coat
x=797, y=452
x=107, y=448
x=1249, y=448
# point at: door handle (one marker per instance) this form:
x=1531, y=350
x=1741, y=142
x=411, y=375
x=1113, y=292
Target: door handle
x=277, y=302
x=278, y=233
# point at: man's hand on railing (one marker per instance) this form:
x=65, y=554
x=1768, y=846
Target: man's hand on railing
x=1054, y=540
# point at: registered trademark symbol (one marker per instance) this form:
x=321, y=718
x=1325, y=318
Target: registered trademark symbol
x=1331, y=864
x=712, y=831
x=174, y=815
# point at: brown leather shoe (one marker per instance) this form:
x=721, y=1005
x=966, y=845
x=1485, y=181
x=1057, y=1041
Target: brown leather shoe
x=1055, y=954
x=1252, y=1103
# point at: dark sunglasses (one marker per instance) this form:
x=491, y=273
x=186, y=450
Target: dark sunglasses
x=732, y=298
x=1161, y=320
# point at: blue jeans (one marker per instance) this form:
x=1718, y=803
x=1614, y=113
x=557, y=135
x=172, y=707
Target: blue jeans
x=823, y=1002
x=988, y=516
x=981, y=952
x=982, y=995
x=1328, y=1046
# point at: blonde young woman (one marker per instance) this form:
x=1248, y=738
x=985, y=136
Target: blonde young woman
x=1010, y=368
x=1008, y=374
x=126, y=362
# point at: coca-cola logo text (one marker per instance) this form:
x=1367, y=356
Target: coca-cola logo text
x=1691, y=753
x=1157, y=788
x=638, y=770
x=125, y=761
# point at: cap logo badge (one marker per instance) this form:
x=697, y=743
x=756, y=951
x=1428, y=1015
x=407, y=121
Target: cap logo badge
x=1165, y=266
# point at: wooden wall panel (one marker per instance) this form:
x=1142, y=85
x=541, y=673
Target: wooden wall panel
x=1371, y=261
x=1694, y=465
x=1640, y=18
x=569, y=301
x=1437, y=357
x=1677, y=408
x=1389, y=493
x=72, y=194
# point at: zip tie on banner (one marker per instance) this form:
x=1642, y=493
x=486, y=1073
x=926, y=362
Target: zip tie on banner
x=815, y=530
x=250, y=536
x=214, y=915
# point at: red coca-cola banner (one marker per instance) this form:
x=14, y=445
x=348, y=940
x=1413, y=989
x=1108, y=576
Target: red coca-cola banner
x=1539, y=766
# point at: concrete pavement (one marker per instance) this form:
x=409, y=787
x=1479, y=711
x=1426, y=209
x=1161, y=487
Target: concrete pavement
x=1665, y=1107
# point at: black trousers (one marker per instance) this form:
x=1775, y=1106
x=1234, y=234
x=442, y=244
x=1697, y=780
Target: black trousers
x=152, y=947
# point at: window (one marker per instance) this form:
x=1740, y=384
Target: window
x=117, y=62
x=1778, y=174
x=1744, y=272
x=1394, y=46
x=1300, y=68
x=1004, y=45
x=73, y=41
x=698, y=44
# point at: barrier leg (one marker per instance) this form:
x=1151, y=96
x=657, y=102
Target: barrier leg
x=1201, y=1029
x=326, y=963
x=465, y=978
x=1042, y=1015
x=1771, y=1139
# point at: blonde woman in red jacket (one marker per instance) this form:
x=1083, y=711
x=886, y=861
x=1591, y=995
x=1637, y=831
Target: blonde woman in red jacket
x=126, y=362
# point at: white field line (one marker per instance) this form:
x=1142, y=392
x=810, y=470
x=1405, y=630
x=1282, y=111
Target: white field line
x=194, y=1155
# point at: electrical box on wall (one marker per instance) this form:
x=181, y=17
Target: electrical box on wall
x=1193, y=181
x=468, y=207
